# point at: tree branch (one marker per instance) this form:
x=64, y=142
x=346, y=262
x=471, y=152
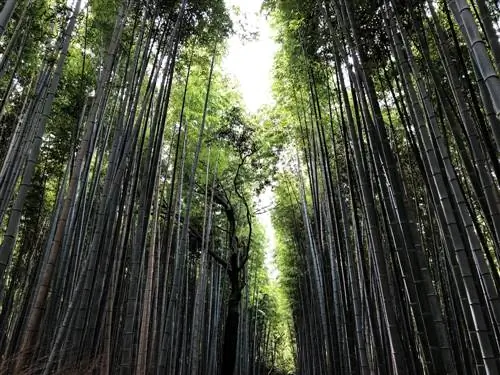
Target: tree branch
x=247, y=208
x=217, y=258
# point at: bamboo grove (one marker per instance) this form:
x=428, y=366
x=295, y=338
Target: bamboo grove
x=129, y=167
x=388, y=216
x=129, y=172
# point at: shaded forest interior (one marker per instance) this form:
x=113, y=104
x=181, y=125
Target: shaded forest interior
x=131, y=173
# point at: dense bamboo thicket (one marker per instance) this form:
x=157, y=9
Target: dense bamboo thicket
x=388, y=216
x=128, y=174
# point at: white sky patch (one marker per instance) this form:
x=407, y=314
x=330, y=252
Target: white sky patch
x=72, y=3
x=250, y=64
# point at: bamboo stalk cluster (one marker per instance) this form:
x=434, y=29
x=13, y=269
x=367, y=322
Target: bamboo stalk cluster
x=114, y=255
x=392, y=209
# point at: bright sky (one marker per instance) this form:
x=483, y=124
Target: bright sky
x=250, y=63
